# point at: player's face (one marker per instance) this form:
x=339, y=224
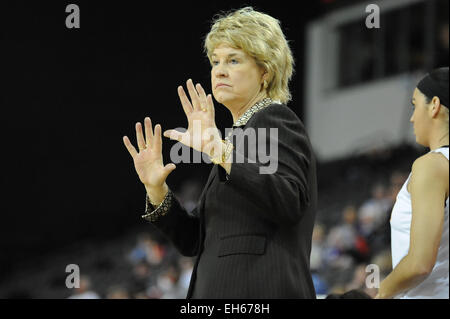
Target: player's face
x=420, y=119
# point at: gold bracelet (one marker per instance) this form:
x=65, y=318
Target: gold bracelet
x=228, y=150
x=225, y=154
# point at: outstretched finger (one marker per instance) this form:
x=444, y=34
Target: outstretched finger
x=176, y=136
x=148, y=132
x=172, y=134
x=157, y=142
x=194, y=95
x=140, y=136
x=210, y=105
x=202, y=97
x=129, y=146
x=187, y=106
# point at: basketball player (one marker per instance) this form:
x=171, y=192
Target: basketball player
x=419, y=222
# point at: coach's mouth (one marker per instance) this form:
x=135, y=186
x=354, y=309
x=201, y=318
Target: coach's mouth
x=219, y=85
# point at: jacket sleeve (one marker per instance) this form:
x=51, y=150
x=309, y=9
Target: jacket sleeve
x=181, y=227
x=280, y=187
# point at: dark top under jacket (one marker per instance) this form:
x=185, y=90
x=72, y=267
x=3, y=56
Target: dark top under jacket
x=251, y=232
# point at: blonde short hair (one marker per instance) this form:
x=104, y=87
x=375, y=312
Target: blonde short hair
x=260, y=36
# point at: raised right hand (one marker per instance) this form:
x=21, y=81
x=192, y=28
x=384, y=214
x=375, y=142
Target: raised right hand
x=148, y=162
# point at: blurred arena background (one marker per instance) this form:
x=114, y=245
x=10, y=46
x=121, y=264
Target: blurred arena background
x=72, y=196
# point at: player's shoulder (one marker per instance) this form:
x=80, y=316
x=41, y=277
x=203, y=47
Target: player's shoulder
x=431, y=164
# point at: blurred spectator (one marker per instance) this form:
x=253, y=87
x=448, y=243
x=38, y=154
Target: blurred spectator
x=117, y=292
x=358, y=281
x=147, y=250
x=317, y=248
x=337, y=289
x=373, y=211
x=317, y=262
x=344, y=244
x=168, y=283
x=141, y=278
x=343, y=236
x=143, y=295
x=84, y=291
x=186, y=266
x=320, y=285
x=359, y=278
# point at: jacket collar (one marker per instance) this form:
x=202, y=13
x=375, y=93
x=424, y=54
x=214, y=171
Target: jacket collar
x=244, y=118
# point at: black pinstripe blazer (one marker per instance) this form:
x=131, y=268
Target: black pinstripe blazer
x=251, y=232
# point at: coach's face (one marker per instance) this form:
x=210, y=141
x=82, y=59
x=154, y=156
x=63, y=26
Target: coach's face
x=235, y=77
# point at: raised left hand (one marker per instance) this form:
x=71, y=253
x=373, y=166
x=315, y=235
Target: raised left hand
x=202, y=132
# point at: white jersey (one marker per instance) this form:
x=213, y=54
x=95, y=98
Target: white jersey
x=436, y=284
